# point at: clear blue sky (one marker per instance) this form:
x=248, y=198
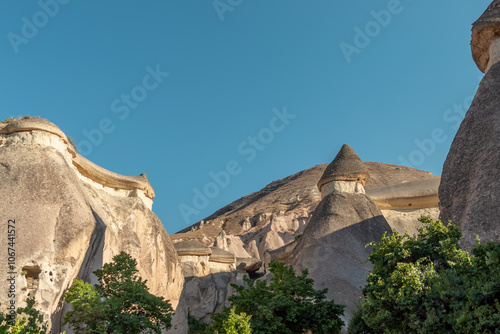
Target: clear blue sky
x=182, y=90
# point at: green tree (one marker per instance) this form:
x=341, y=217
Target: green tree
x=230, y=322
x=428, y=284
x=29, y=320
x=120, y=303
x=289, y=304
x=195, y=326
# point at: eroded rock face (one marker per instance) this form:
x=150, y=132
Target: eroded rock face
x=68, y=223
x=272, y=217
x=470, y=184
x=332, y=246
x=54, y=225
x=208, y=295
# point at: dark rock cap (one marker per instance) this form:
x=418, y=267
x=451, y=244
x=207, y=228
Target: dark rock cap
x=346, y=166
x=189, y=247
x=221, y=256
x=484, y=30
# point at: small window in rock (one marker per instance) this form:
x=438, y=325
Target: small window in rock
x=32, y=274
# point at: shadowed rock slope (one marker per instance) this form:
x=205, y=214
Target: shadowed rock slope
x=470, y=188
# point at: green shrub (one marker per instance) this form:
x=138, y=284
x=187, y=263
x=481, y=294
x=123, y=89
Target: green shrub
x=230, y=322
x=29, y=320
x=289, y=304
x=196, y=326
x=9, y=119
x=428, y=284
x=357, y=325
x=120, y=303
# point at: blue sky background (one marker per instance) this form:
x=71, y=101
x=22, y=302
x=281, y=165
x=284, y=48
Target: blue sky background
x=397, y=101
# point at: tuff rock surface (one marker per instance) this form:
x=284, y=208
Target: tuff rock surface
x=272, y=217
x=470, y=185
x=333, y=246
x=71, y=217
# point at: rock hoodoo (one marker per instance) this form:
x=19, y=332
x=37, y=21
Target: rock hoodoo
x=470, y=184
x=71, y=216
x=332, y=246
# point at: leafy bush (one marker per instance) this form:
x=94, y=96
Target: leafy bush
x=120, y=303
x=289, y=304
x=9, y=119
x=229, y=322
x=29, y=320
x=196, y=326
x=428, y=284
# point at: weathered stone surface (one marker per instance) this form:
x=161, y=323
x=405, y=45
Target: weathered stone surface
x=342, y=186
x=190, y=247
x=221, y=256
x=274, y=216
x=346, y=166
x=470, y=184
x=279, y=254
x=207, y=295
x=68, y=224
x=248, y=264
x=332, y=246
x=53, y=226
x=415, y=194
x=484, y=31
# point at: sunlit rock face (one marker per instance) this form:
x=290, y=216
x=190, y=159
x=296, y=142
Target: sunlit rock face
x=71, y=216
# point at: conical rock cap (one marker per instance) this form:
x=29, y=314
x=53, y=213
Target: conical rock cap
x=484, y=31
x=346, y=166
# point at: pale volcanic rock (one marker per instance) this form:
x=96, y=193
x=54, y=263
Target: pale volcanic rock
x=221, y=261
x=71, y=218
x=274, y=216
x=194, y=257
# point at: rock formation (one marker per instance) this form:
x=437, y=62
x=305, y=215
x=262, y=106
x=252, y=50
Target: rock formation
x=333, y=246
x=470, y=185
x=208, y=273
x=274, y=216
x=70, y=217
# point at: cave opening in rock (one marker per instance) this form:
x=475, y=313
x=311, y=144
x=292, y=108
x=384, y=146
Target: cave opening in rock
x=32, y=274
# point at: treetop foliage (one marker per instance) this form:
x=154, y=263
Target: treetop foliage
x=428, y=284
